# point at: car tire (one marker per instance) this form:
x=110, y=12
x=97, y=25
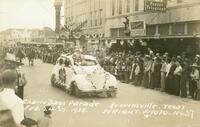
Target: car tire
x=112, y=94
x=74, y=90
x=53, y=80
x=70, y=90
x=77, y=92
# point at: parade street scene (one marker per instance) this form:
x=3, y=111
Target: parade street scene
x=99, y=63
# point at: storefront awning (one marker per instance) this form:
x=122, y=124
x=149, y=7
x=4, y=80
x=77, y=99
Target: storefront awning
x=166, y=37
x=114, y=38
x=151, y=37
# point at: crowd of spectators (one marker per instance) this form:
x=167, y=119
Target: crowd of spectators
x=44, y=53
x=176, y=75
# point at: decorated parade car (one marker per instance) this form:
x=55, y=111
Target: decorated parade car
x=81, y=75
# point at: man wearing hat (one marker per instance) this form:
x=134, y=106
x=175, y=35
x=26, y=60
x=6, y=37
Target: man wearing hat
x=184, y=77
x=163, y=72
x=8, y=97
x=197, y=59
x=177, y=77
x=11, y=63
x=46, y=120
x=194, y=79
x=170, y=68
x=147, y=68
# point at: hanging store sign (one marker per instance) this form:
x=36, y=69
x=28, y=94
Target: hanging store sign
x=137, y=25
x=138, y=28
x=155, y=5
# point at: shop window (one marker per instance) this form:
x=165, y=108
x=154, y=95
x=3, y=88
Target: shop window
x=163, y=29
x=178, y=28
x=117, y=32
x=121, y=32
x=151, y=29
x=114, y=32
x=193, y=28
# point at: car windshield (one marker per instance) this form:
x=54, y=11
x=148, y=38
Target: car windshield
x=87, y=62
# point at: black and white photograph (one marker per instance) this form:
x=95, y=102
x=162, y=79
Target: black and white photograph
x=99, y=63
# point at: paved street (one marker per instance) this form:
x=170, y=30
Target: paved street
x=133, y=106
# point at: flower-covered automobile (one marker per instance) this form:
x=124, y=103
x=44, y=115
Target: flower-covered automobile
x=81, y=75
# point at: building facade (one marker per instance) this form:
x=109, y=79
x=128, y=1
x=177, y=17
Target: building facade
x=13, y=36
x=178, y=25
x=92, y=11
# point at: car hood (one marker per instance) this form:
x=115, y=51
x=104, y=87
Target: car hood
x=84, y=70
x=93, y=78
x=95, y=81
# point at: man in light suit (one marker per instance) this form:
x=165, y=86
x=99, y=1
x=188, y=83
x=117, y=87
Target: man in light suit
x=8, y=97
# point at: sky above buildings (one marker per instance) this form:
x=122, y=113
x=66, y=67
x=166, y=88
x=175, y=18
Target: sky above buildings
x=27, y=14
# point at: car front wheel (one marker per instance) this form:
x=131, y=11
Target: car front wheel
x=112, y=94
x=77, y=91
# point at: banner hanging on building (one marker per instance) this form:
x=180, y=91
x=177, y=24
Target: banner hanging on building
x=155, y=5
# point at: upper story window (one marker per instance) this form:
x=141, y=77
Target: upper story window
x=136, y=5
x=113, y=7
x=96, y=15
x=120, y=6
x=127, y=6
x=100, y=17
x=90, y=18
x=179, y=1
x=133, y=5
